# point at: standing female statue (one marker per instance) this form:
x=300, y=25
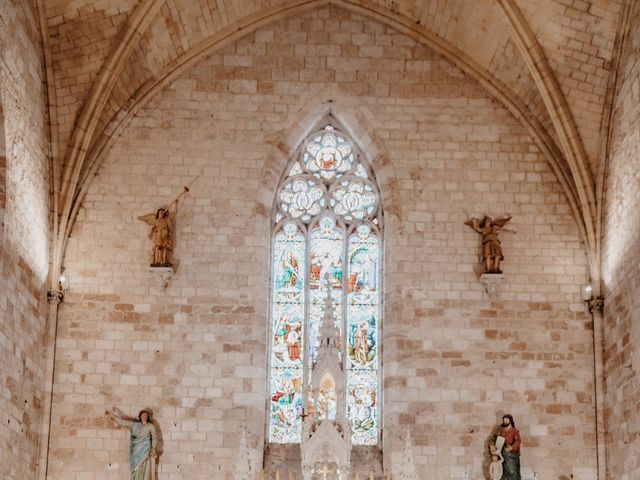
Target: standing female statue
x=142, y=450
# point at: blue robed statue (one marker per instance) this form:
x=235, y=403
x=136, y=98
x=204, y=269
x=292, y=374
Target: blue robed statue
x=142, y=450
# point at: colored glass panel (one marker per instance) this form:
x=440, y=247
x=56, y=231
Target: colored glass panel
x=326, y=254
x=285, y=405
x=361, y=172
x=353, y=199
x=329, y=181
x=362, y=406
x=302, y=198
x=363, y=277
x=289, y=265
x=362, y=341
x=287, y=336
x=363, y=300
x=295, y=170
x=328, y=154
x=289, y=270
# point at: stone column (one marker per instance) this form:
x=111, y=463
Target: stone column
x=596, y=307
x=54, y=298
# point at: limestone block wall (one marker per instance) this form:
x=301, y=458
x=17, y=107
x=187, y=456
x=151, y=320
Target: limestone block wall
x=453, y=360
x=621, y=270
x=3, y=167
x=24, y=247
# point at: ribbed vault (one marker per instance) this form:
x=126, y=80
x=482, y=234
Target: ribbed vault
x=549, y=65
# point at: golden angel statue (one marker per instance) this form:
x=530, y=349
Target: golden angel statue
x=491, y=248
x=162, y=231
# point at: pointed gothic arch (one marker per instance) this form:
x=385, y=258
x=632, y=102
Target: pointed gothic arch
x=327, y=224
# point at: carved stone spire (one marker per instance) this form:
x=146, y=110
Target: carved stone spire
x=326, y=440
x=329, y=342
x=408, y=466
x=243, y=463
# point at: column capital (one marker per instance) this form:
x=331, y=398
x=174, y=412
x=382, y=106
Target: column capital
x=596, y=304
x=55, y=296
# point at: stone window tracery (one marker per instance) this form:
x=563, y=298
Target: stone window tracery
x=326, y=236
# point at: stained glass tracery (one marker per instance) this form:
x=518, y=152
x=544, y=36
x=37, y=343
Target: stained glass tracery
x=327, y=226
x=328, y=154
x=353, y=198
x=302, y=197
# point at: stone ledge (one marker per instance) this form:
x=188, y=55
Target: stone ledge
x=491, y=283
x=163, y=275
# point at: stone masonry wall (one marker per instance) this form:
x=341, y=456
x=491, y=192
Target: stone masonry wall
x=453, y=360
x=3, y=167
x=621, y=270
x=24, y=245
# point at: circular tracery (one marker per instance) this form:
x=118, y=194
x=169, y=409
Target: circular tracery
x=353, y=199
x=328, y=154
x=302, y=197
x=329, y=176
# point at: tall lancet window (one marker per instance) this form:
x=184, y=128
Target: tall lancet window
x=326, y=236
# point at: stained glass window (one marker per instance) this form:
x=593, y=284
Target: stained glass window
x=363, y=312
x=327, y=224
x=287, y=313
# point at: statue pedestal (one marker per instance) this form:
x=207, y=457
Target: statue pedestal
x=162, y=275
x=491, y=282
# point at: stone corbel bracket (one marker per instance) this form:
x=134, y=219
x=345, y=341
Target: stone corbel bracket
x=491, y=283
x=55, y=296
x=163, y=275
x=596, y=304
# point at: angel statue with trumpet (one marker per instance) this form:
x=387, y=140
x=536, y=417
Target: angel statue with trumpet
x=162, y=231
x=491, y=249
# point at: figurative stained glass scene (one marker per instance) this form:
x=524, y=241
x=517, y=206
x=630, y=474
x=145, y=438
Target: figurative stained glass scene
x=363, y=307
x=287, y=314
x=362, y=393
x=286, y=404
x=327, y=227
x=362, y=299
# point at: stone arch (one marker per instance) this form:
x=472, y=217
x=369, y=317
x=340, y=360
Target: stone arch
x=329, y=105
x=99, y=143
x=356, y=121
x=330, y=101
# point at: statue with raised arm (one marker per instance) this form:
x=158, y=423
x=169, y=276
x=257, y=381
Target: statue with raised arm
x=491, y=249
x=162, y=231
x=142, y=450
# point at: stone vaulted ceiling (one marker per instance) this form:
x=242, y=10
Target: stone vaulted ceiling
x=551, y=63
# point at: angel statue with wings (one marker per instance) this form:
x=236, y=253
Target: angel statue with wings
x=491, y=248
x=162, y=231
